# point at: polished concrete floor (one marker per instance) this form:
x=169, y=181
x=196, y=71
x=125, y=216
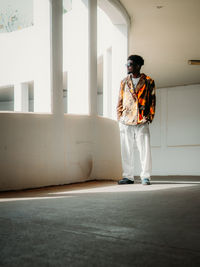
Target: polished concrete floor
x=103, y=224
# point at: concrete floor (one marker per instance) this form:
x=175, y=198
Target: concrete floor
x=103, y=224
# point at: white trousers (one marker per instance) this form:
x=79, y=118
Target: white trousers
x=130, y=136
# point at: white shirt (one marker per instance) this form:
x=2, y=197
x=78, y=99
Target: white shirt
x=135, y=81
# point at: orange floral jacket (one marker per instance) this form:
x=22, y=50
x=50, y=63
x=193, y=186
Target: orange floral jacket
x=136, y=105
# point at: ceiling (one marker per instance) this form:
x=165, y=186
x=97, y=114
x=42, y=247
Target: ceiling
x=167, y=34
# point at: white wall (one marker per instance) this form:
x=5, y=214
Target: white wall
x=39, y=150
x=175, y=132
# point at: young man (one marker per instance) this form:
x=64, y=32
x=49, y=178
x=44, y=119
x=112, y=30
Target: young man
x=135, y=110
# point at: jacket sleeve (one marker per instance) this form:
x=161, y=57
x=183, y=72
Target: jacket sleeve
x=120, y=101
x=152, y=101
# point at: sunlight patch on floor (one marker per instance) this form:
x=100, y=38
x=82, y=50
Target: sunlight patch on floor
x=91, y=187
x=127, y=188
x=31, y=198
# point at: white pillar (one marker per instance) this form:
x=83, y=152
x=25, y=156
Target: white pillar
x=21, y=97
x=92, y=55
x=107, y=83
x=42, y=91
x=57, y=57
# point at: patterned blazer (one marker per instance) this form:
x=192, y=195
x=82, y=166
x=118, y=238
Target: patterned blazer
x=136, y=105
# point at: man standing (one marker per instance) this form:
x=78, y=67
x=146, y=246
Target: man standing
x=135, y=110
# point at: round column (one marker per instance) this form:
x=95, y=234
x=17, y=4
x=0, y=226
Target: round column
x=92, y=55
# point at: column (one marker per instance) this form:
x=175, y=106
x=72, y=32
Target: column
x=21, y=97
x=57, y=57
x=92, y=55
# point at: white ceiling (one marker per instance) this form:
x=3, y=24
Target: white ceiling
x=167, y=34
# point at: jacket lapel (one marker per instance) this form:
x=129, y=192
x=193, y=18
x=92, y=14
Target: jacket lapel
x=130, y=83
x=130, y=86
x=141, y=82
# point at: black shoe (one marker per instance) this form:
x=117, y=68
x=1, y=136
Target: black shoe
x=125, y=181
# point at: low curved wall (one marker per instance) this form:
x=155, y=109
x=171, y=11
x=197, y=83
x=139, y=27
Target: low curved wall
x=40, y=150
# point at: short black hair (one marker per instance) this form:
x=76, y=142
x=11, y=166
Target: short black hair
x=137, y=59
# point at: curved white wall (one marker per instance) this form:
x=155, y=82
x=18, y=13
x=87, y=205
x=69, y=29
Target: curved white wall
x=40, y=150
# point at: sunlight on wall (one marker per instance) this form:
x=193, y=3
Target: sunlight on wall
x=105, y=32
x=75, y=57
x=25, y=57
x=112, y=47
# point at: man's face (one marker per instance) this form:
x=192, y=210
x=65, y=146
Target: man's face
x=132, y=67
